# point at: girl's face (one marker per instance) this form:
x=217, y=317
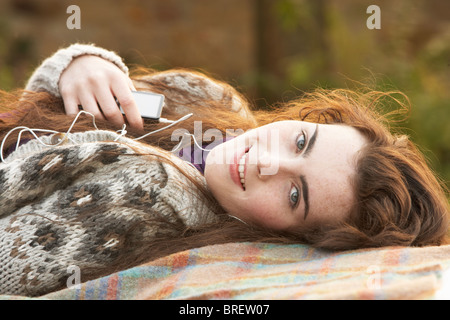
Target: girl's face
x=286, y=174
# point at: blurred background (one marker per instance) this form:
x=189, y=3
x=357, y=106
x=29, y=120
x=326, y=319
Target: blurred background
x=271, y=50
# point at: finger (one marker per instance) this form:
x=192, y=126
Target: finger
x=71, y=106
x=131, y=85
x=70, y=101
x=90, y=105
x=109, y=107
x=129, y=106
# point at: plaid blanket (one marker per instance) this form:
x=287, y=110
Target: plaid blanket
x=268, y=271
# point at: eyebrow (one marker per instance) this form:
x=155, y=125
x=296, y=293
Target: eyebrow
x=305, y=195
x=305, y=190
x=312, y=141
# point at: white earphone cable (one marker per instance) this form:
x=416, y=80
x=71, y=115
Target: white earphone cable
x=123, y=132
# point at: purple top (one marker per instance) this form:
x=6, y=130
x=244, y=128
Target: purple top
x=197, y=156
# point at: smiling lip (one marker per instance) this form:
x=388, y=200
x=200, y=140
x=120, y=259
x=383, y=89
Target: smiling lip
x=234, y=166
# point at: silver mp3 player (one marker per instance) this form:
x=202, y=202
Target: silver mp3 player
x=149, y=104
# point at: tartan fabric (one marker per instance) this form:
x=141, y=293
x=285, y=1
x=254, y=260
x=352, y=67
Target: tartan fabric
x=268, y=271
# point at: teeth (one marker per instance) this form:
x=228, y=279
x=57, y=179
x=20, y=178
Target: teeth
x=241, y=169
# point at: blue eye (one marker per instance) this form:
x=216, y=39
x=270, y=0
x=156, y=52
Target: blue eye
x=293, y=196
x=301, y=141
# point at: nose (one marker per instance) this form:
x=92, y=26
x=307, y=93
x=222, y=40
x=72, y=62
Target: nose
x=270, y=164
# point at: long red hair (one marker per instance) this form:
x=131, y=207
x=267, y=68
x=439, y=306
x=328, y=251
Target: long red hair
x=400, y=200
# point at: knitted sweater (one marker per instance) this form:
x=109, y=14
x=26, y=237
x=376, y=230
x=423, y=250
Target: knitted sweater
x=78, y=204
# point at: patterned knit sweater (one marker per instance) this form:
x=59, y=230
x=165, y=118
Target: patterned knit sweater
x=78, y=205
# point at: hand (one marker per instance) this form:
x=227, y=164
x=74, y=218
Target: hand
x=93, y=82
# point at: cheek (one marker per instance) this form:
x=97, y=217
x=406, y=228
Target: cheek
x=216, y=156
x=215, y=180
x=263, y=210
x=262, y=207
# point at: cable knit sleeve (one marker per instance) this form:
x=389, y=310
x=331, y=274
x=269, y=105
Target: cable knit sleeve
x=46, y=76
